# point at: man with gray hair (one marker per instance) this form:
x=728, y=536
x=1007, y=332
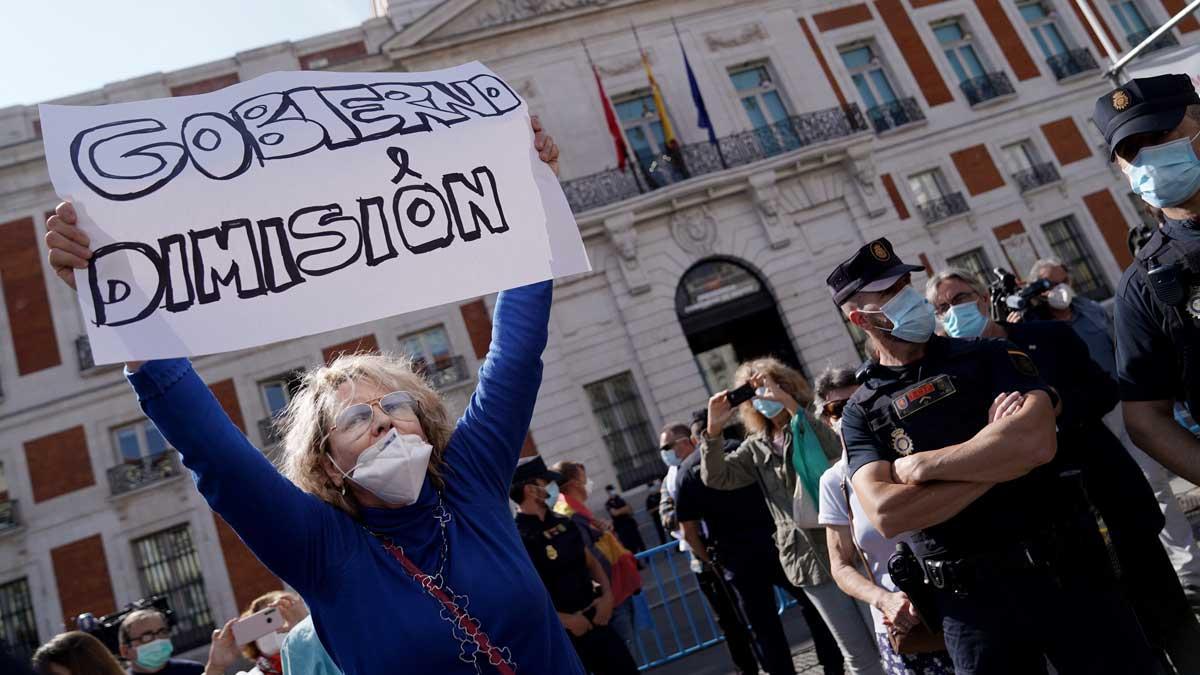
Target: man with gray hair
x=1091, y=323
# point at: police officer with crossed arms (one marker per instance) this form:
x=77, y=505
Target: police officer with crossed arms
x=947, y=440
x=1152, y=125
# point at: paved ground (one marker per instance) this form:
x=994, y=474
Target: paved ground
x=715, y=659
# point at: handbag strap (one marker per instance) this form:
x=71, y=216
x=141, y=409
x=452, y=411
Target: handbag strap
x=850, y=514
x=435, y=587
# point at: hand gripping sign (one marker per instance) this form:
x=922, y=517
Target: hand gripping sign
x=297, y=203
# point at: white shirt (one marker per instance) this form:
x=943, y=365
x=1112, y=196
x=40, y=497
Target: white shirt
x=874, y=546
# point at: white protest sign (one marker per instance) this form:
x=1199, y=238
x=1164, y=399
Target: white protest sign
x=302, y=202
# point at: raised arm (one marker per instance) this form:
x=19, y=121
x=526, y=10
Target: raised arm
x=490, y=434
x=287, y=529
x=718, y=470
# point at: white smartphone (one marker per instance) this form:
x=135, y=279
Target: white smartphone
x=256, y=625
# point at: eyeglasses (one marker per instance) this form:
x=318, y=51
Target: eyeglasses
x=960, y=299
x=670, y=445
x=353, y=421
x=833, y=409
x=146, y=638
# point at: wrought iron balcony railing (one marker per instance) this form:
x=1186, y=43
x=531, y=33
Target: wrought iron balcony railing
x=269, y=431
x=448, y=373
x=895, y=114
x=697, y=159
x=9, y=516
x=942, y=208
x=149, y=470
x=1164, y=41
x=1072, y=62
x=83, y=350
x=1036, y=176
x=986, y=87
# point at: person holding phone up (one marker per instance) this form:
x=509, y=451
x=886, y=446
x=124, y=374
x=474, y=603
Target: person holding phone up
x=259, y=632
x=386, y=512
x=785, y=452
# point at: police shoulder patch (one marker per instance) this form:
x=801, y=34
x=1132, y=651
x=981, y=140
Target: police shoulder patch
x=1022, y=363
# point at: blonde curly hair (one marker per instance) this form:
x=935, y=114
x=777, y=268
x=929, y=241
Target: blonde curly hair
x=786, y=377
x=308, y=419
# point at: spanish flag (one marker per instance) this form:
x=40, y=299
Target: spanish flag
x=610, y=118
x=668, y=130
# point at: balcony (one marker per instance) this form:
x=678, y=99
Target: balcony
x=1071, y=63
x=698, y=159
x=893, y=114
x=1036, y=176
x=1164, y=41
x=9, y=516
x=986, y=87
x=269, y=431
x=448, y=373
x=942, y=208
x=134, y=475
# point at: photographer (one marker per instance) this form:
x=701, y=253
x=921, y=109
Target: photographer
x=1111, y=479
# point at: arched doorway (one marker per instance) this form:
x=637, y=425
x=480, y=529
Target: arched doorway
x=728, y=316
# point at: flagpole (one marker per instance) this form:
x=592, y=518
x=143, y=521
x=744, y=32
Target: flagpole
x=624, y=146
x=712, y=136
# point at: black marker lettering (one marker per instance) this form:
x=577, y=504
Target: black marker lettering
x=279, y=265
x=422, y=218
x=218, y=147
x=479, y=199
x=179, y=292
x=376, y=236
x=223, y=256
x=333, y=229
x=121, y=305
x=126, y=160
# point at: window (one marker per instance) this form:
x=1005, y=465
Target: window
x=1044, y=28
x=639, y=120
x=429, y=349
x=960, y=53
x=1070, y=248
x=167, y=565
x=867, y=73
x=18, y=628
x=1130, y=18
x=1020, y=156
x=974, y=261
x=138, y=441
x=760, y=97
x=277, y=392
x=627, y=435
x=928, y=186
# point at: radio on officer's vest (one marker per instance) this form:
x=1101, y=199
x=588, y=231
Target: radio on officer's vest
x=1167, y=281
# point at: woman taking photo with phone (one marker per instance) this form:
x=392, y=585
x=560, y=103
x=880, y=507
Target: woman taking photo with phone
x=390, y=520
x=785, y=452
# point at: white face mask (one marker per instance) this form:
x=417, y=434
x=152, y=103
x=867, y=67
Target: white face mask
x=271, y=643
x=589, y=486
x=1060, y=296
x=393, y=469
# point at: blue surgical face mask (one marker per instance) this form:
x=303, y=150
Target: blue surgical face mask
x=1166, y=175
x=964, y=321
x=911, y=316
x=768, y=409
x=670, y=458
x=551, y=495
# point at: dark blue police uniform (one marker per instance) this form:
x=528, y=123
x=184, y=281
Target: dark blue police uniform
x=1022, y=572
x=741, y=534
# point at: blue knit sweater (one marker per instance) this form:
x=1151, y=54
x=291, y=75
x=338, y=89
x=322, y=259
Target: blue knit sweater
x=370, y=615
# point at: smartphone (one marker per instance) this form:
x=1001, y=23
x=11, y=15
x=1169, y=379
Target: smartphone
x=256, y=625
x=740, y=395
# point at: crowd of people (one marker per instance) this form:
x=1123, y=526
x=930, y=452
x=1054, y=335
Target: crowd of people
x=972, y=499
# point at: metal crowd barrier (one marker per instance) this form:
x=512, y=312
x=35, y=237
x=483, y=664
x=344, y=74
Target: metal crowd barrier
x=679, y=622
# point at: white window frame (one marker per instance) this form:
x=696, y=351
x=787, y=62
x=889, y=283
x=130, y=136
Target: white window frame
x=772, y=85
x=939, y=178
x=143, y=444
x=968, y=40
x=426, y=356
x=1051, y=18
x=645, y=122
x=879, y=63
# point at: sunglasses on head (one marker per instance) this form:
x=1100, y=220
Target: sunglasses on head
x=834, y=408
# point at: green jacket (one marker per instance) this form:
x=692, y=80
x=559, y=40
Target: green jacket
x=803, y=553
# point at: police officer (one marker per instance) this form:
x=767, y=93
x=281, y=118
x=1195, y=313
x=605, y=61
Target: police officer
x=945, y=439
x=556, y=547
x=1087, y=449
x=1151, y=126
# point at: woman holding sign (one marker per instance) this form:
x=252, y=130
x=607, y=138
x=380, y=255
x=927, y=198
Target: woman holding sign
x=392, y=522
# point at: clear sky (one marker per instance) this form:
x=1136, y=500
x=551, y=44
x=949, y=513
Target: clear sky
x=53, y=48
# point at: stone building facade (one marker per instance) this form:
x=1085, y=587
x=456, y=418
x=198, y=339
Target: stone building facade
x=957, y=128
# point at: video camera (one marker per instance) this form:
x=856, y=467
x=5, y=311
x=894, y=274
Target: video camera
x=1008, y=297
x=107, y=628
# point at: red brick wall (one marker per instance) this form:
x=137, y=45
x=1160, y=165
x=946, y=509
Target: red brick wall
x=894, y=194
x=1174, y=7
x=226, y=395
x=205, y=86
x=1066, y=140
x=59, y=464
x=479, y=326
x=249, y=577
x=917, y=4
x=1007, y=230
x=25, y=298
x=366, y=343
x=925, y=263
x=842, y=17
x=977, y=169
x=1006, y=36
x=1111, y=223
x=334, y=55
x=816, y=48
x=81, y=572
x=900, y=25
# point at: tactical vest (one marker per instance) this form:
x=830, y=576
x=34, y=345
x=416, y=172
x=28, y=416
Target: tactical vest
x=1171, y=270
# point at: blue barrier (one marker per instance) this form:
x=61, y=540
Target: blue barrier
x=680, y=622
